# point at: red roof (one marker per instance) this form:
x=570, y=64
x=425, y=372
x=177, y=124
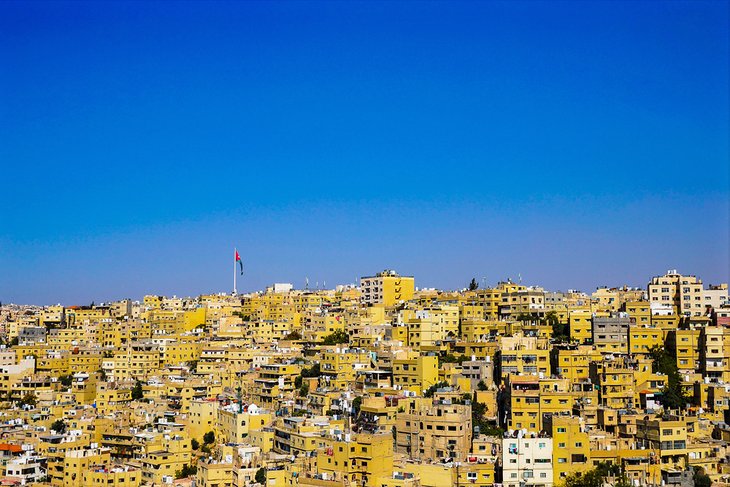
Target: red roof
x=11, y=448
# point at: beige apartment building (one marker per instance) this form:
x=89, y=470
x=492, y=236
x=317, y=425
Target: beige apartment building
x=387, y=288
x=684, y=293
x=429, y=431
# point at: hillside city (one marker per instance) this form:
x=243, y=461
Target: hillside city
x=377, y=384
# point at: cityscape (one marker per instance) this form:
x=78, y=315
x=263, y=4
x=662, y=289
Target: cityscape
x=379, y=383
x=355, y=243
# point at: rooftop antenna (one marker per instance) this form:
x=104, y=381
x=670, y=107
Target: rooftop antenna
x=484, y=282
x=519, y=276
x=306, y=283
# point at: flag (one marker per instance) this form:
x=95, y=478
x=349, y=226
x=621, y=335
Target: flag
x=240, y=262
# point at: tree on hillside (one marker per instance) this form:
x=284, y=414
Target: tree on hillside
x=137, y=391
x=561, y=331
x=29, y=400
x=59, y=426
x=186, y=471
x=672, y=394
x=429, y=392
x=356, y=404
x=261, y=476
x=295, y=335
x=701, y=478
x=598, y=476
x=340, y=336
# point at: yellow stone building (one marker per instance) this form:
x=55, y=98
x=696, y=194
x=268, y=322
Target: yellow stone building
x=387, y=288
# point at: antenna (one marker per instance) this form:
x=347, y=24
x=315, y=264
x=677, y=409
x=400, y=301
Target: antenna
x=306, y=283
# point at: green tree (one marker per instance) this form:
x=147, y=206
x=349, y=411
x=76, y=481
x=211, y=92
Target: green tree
x=482, y=386
x=477, y=414
x=356, y=403
x=313, y=371
x=597, y=477
x=59, y=426
x=186, y=471
x=194, y=444
x=261, y=476
x=304, y=390
x=672, y=394
x=591, y=478
x=473, y=285
x=66, y=380
x=137, y=391
x=295, y=335
x=29, y=400
x=430, y=391
x=340, y=336
x=209, y=438
x=450, y=358
x=561, y=331
x=701, y=479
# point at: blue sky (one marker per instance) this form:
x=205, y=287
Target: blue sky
x=575, y=143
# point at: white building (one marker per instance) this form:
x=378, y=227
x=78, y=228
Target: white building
x=280, y=287
x=716, y=296
x=682, y=292
x=26, y=468
x=527, y=461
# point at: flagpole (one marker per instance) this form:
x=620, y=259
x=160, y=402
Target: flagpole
x=234, y=271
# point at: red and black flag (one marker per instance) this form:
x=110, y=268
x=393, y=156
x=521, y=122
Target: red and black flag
x=240, y=262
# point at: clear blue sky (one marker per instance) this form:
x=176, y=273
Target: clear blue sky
x=577, y=143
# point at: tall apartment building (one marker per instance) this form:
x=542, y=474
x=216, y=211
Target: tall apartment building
x=716, y=296
x=527, y=461
x=428, y=431
x=572, y=444
x=524, y=355
x=611, y=333
x=715, y=352
x=387, y=288
x=530, y=300
x=684, y=293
